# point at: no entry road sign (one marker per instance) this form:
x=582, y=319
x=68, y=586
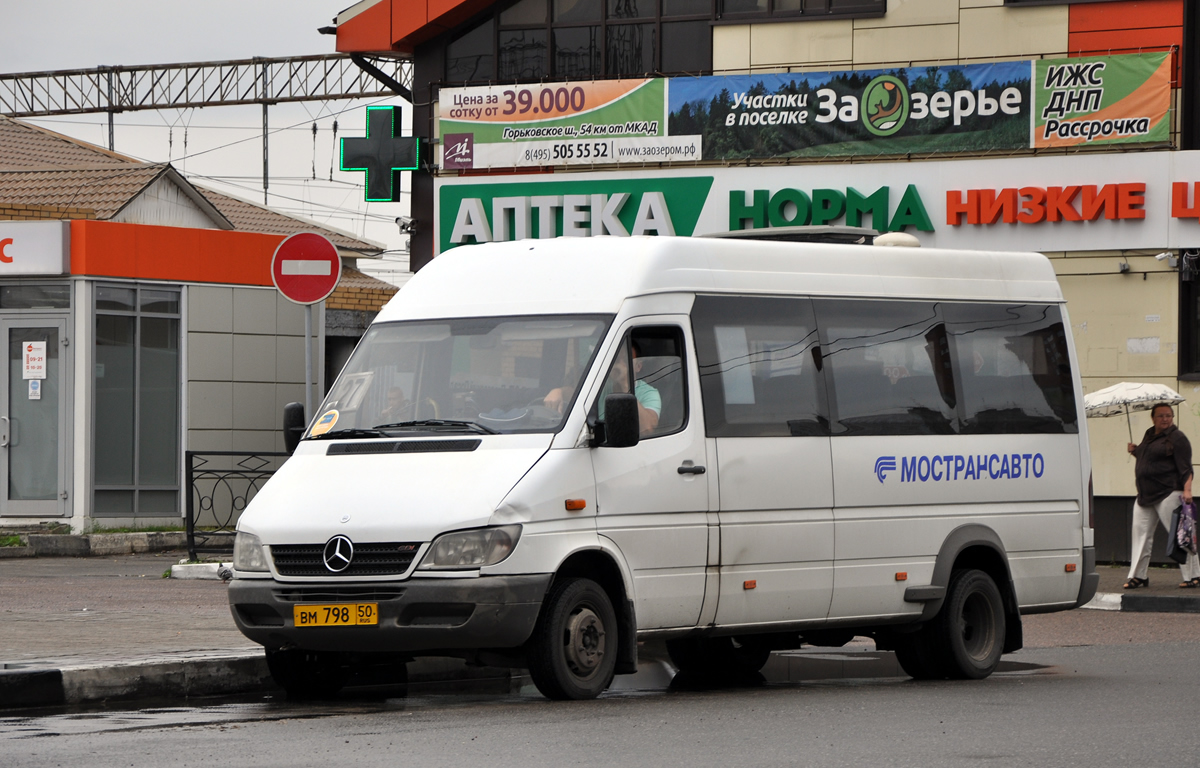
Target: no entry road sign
x=306, y=268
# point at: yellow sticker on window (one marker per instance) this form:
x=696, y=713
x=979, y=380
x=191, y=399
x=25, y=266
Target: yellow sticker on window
x=324, y=424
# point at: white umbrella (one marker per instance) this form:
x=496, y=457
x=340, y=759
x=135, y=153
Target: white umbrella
x=1126, y=397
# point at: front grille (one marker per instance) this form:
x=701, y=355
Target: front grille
x=336, y=594
x=370, y=559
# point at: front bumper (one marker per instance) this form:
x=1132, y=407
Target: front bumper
x=417, y=616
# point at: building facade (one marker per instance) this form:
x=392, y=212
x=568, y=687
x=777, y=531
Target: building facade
x=142, y=322
x=1068, y=128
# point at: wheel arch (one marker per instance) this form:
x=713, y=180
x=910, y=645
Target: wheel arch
x=975, y=546
x=602, y=567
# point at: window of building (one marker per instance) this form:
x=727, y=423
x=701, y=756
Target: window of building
x=35, y=296
x=583, y=39
x=1189, y=315
x=470, y=56
x=794, y=9
x=137, y=388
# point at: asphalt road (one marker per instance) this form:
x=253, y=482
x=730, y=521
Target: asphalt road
x=1091, y=688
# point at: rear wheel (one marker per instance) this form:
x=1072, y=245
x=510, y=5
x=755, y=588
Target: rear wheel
x=572, y=653
x=718, y=655
x=918, y=655
x=971, y=625
x=307, y=674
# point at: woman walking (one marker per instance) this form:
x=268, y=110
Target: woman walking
x=1163, y=474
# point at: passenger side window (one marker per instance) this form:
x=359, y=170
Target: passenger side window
x=1014, y=368
x=655, y=356
x=890, y=367
x=759, y=366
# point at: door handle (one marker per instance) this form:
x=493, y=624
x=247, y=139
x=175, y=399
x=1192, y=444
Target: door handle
x=689, y=470
x=4, y=436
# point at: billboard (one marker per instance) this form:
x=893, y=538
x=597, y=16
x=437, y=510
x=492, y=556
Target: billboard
x=897, y=111
x=1075, y=202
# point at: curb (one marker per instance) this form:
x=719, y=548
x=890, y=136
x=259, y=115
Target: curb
x=211, y=571
x=212, y=674
x=96, y=544
x=207, y=675
x=1113, y=601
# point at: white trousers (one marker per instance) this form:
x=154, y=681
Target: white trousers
x=1145, y=521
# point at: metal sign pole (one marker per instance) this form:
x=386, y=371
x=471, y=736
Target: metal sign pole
x=308, y=371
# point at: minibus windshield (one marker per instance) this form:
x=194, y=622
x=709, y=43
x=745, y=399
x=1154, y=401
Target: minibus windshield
x=484, y=375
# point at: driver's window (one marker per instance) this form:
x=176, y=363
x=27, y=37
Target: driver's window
x=655, y=357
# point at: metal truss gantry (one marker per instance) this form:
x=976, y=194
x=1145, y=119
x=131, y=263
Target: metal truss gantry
x=202, y=84
x=265, y=81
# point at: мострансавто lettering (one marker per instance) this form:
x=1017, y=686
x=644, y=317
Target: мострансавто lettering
x=949, y=467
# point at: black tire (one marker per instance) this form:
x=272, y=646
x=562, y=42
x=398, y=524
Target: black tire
x=970, y=627
x=572, y=653
x=919, y=656
x=718, y=655
x=307, y=674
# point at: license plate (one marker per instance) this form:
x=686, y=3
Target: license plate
x=339, y=615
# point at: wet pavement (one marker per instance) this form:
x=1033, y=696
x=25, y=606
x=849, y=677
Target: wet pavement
x=114, y=628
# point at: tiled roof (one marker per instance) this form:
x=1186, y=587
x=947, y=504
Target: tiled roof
x=249, y=217
x=28, y=147
x=104, y=190
x=40, y=167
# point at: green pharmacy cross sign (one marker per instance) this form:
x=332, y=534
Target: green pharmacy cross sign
x=382, y=155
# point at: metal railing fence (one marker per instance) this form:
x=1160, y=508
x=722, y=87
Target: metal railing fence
x=220, y=485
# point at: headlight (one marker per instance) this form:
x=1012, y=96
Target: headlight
x=248, y=553
x=472, y=549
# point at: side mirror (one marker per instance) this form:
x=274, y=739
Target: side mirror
x=621, y=427
x=293, y=425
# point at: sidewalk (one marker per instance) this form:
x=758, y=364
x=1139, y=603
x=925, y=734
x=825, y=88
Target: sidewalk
x=1162, y=596
x=78, y=629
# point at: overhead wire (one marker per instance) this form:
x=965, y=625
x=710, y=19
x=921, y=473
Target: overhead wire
x=329, y=211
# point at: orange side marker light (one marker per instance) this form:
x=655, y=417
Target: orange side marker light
x=1070, y=568
x=574, y=505
x=901, y=575
x=750, y=584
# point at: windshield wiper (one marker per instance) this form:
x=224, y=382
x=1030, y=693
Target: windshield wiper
x=440, y=424
x=348, y=434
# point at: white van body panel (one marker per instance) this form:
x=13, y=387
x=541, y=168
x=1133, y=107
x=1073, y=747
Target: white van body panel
x=393, y=497
x=656, y=517
x=550, y=533
x=778, y=534
x=890, y=521
x=598, y=274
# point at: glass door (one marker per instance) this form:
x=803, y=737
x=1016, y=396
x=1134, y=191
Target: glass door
x=33, y=403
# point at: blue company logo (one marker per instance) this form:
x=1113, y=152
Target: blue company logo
x=995, y=466
x=883, y=465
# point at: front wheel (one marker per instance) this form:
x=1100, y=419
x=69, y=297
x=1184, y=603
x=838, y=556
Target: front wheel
x=572, y=653
x=971, y=625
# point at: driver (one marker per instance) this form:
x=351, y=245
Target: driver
x=649, y=399
x=397, y=407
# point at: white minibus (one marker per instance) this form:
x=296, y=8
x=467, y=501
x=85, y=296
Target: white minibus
x=543, y=451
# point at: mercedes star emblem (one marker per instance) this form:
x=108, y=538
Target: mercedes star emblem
x=338, y=553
